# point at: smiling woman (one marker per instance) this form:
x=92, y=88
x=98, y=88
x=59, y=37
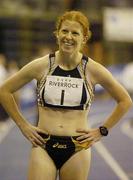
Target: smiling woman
x=65, y=88
x=74, y=27
x=70, y=36
x=77, y=17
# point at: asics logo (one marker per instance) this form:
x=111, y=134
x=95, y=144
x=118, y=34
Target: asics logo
x=61, y=146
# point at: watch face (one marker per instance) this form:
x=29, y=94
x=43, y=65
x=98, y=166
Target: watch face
x=103, y=131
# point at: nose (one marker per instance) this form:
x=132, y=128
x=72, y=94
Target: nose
x=69, y=35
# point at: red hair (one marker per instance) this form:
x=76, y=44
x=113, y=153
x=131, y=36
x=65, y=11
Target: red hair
x=75, y=16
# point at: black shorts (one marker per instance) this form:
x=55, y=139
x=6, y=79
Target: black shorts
x=61, y=148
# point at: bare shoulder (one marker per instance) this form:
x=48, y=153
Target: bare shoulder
x=98, y=72
x=37, y=67
x=102, y=76
x=32, y=70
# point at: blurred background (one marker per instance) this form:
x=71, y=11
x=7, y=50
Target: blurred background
x=26, y=33
x=26, y=28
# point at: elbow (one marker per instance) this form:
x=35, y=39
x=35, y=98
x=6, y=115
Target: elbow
x=125, y=103
x=128, y=102
x=3, y=93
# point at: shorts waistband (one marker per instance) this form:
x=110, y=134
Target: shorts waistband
x=45, y=136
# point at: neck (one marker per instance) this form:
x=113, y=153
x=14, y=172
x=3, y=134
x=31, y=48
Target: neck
x=68, y=61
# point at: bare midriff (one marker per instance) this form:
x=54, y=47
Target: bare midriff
x=62, y=122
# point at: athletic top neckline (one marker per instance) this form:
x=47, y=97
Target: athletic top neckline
x=67, y=89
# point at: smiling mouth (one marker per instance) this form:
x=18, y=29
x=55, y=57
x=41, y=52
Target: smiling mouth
x=68, y=43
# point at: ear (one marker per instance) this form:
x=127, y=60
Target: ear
x=56, y=34
x=89, y=34
x=85, y=39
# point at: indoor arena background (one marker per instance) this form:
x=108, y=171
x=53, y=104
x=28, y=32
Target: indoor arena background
x=26, y=32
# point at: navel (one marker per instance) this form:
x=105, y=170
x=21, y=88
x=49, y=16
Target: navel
x=60, y=126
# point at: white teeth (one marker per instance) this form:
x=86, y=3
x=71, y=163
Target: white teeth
x=68, y=44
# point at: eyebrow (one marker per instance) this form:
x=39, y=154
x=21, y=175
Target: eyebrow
x=65, y=28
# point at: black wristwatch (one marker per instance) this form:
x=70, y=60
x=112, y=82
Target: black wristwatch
x=103, y=130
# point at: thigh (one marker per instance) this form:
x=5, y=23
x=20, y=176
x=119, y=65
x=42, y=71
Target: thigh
x=77, y=167
x=41, y=166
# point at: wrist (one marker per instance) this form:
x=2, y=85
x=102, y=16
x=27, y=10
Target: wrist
x=103, y=130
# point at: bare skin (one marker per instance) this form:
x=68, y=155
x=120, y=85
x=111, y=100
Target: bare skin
x=63, y=122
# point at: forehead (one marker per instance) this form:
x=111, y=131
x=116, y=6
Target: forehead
x=74, y=25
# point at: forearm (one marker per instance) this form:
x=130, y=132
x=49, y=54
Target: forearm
x=29, y=131
x=8, y=102
x=118, y=113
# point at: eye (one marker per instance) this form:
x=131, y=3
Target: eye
x=64, y=31
x=75, y=33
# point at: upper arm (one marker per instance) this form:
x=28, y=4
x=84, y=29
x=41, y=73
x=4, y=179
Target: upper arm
x=29, y=72
x=102, y=76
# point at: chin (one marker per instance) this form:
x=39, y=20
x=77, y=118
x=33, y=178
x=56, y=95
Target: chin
x=68, y=51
